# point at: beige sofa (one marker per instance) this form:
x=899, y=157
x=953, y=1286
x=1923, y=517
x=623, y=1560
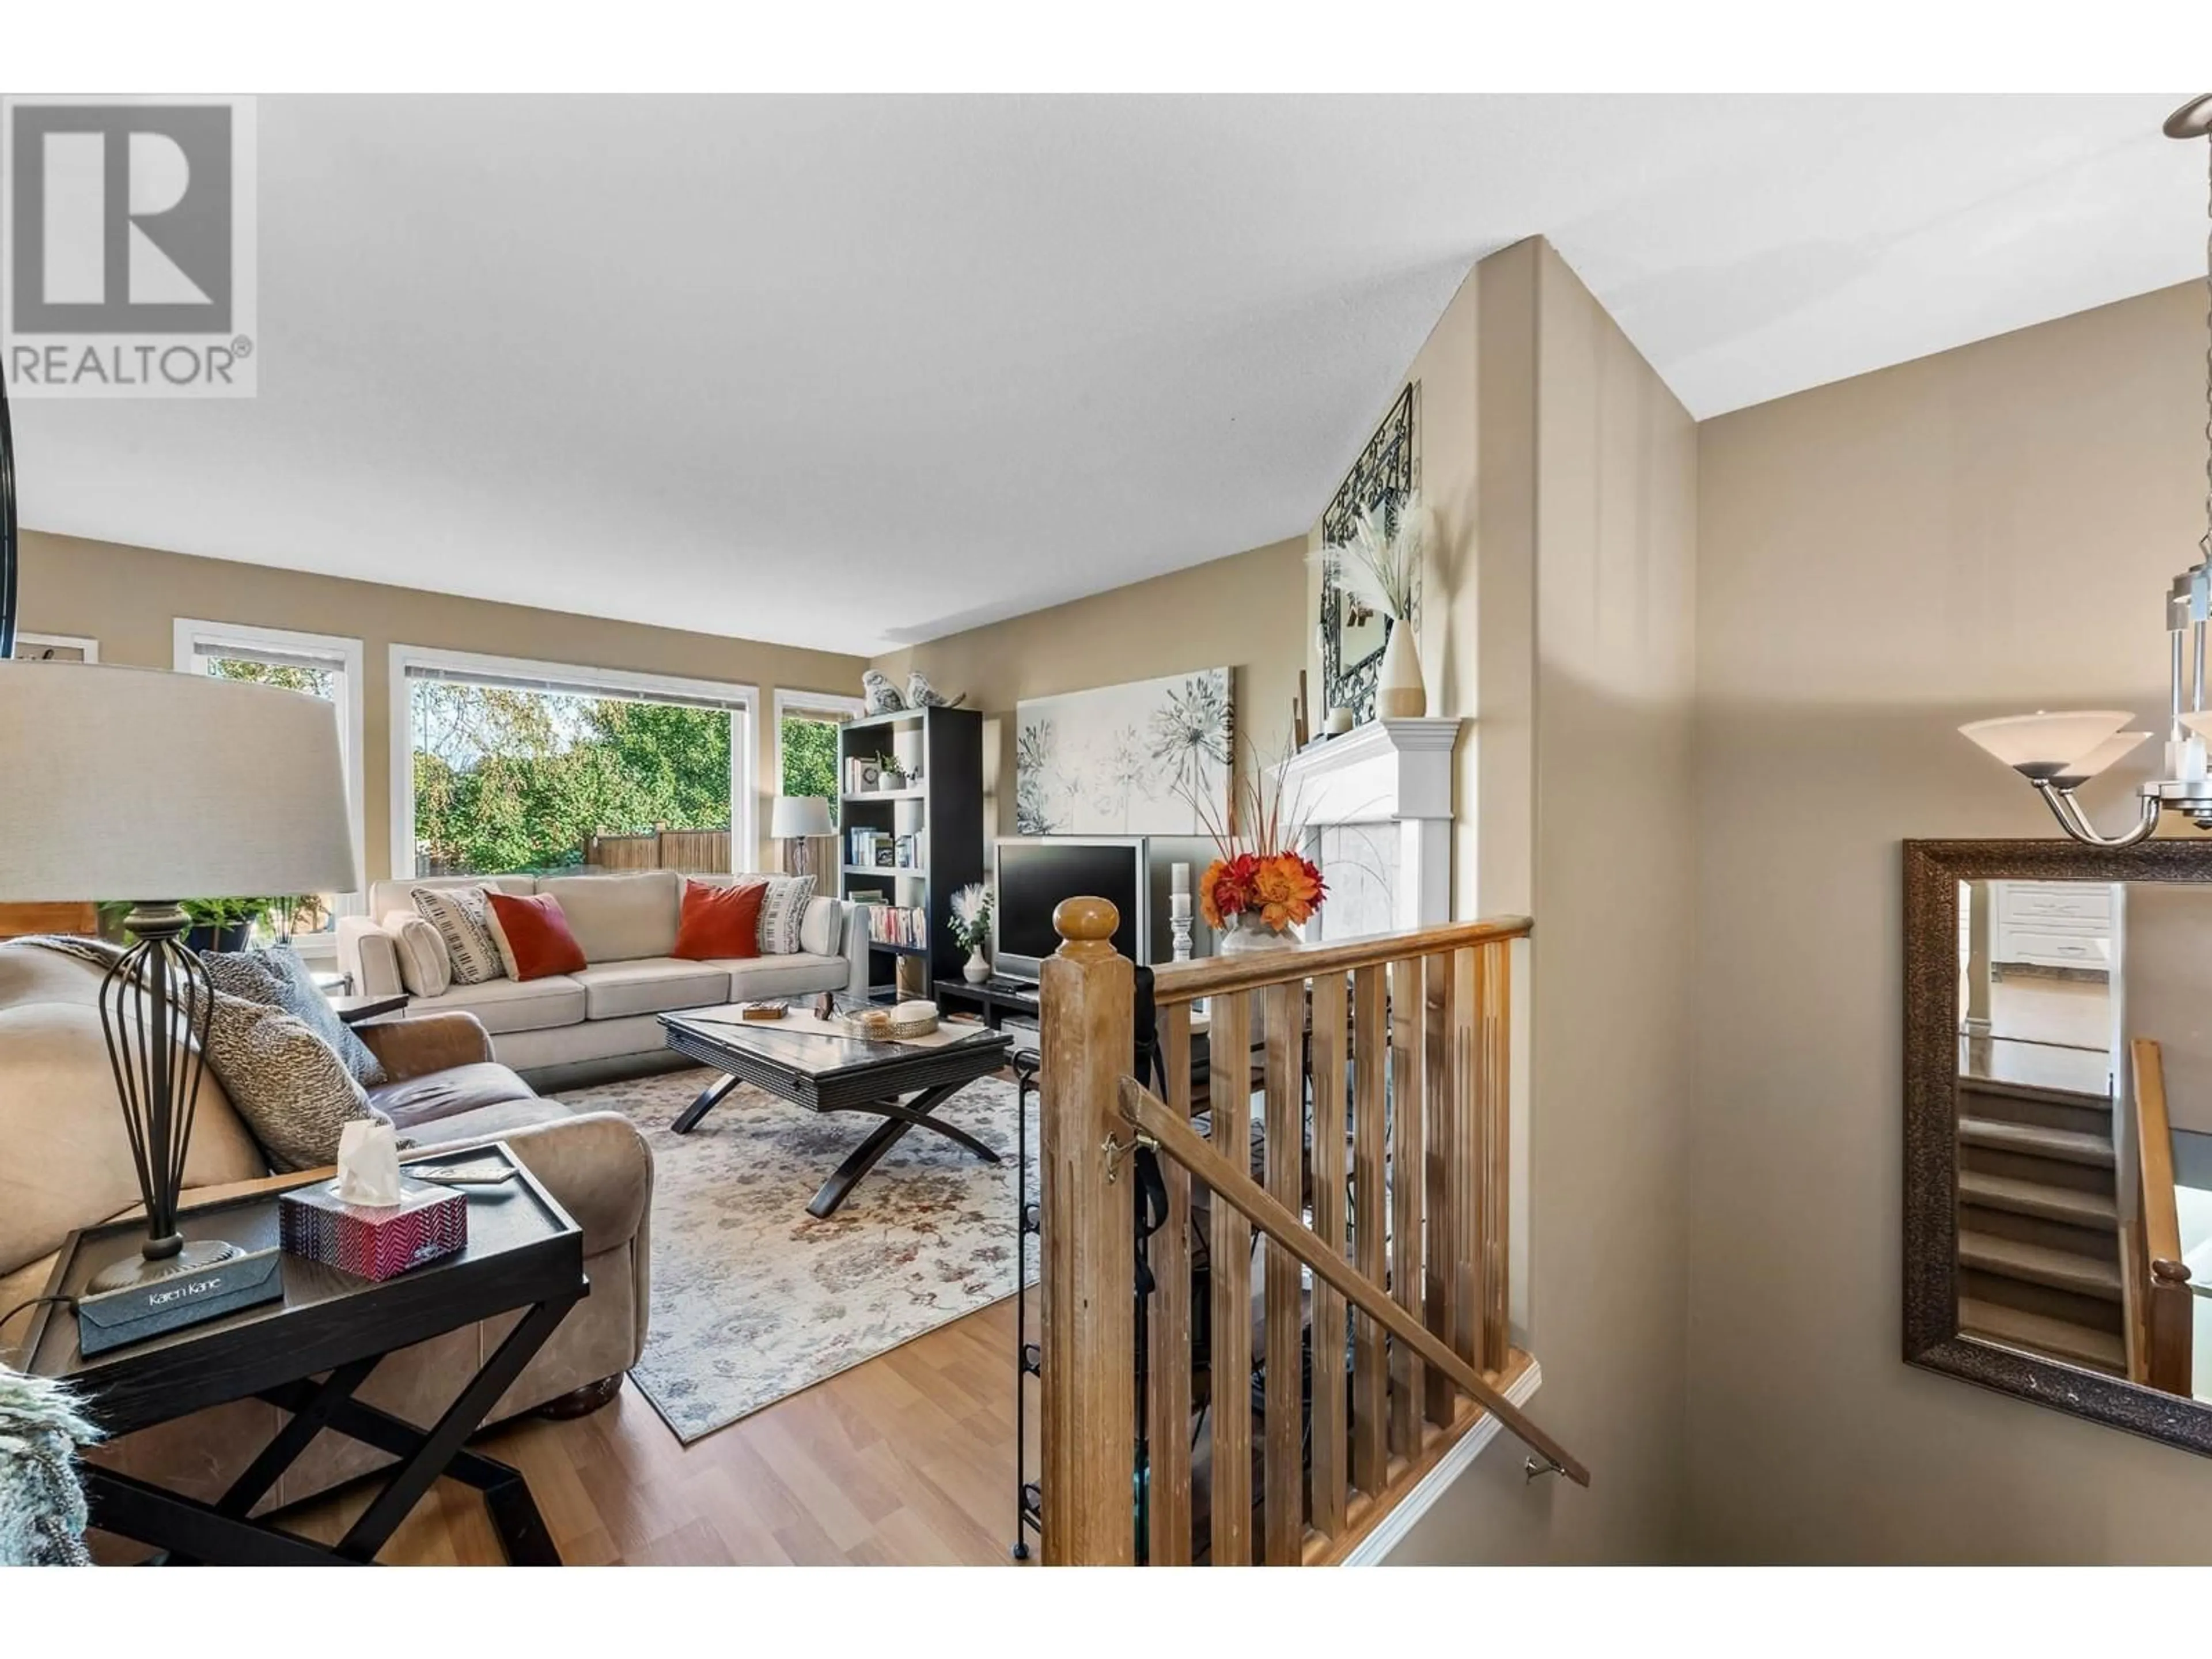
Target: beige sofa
x=609, y=1011
x=67, y=1164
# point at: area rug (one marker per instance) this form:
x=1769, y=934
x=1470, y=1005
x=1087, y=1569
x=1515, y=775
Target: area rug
x=753, y=1298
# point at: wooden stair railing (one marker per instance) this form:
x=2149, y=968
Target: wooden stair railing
x=2157, y=1277
x=1386, y=1179
x=1147, y=1111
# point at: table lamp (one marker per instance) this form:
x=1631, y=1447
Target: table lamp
x=795, y=817
x=131, y=783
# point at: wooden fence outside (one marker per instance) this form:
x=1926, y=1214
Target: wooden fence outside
x=698, y=851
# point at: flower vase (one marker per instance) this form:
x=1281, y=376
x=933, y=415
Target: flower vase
x=1246, y=933
x=979, y=966
x=1399, y=693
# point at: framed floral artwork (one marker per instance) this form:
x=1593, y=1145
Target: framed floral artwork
x=1125, y=760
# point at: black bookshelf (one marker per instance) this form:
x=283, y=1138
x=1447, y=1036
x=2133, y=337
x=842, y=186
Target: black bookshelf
x=942, y=817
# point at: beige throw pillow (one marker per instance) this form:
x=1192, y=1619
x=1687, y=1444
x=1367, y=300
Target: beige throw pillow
x=424, y=967
x=463, y=922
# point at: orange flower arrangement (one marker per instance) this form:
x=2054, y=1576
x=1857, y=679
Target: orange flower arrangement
x=1261, y=875
x=1284, y=889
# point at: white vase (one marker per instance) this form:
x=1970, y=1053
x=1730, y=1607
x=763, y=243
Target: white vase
x=1399, y=693
x=978, y=967
x=1244, y=936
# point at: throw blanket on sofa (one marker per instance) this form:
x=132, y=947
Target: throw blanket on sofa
x=42, y=1514
x=291, y=1088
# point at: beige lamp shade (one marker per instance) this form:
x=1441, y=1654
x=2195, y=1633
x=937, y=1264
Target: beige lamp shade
x=796, y=816
x=2045, y=745
x=133, y=783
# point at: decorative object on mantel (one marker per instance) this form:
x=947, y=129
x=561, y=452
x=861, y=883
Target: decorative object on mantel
x=1353, y=632
x=1379, y=565
x=1298, y=713
x=971, y=929
x=155, y=784
x=1261, y=886
x=879, y=695
x=1148, y=759
x=921, y=693
x=1179, y=910
x=2059, y=753
x=1336, y=722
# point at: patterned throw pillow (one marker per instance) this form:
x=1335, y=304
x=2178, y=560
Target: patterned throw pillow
x=424, y=967
x=782, y=908
x=289, y=1087
x=463, y=920
x=276, y=978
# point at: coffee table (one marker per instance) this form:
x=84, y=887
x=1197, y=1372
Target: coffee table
x=815, y=1063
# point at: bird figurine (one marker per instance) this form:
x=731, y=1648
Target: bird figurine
x=921, y=693
x=881, y=695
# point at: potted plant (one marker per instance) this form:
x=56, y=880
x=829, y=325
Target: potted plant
x=1381, y=567
x=1260, y=889
x=971, y=929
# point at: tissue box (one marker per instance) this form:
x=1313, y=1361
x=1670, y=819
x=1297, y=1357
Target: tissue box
x=427, y=1223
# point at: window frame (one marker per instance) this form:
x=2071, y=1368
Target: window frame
x=186, y=637
x=744, y=746
x=788, y=702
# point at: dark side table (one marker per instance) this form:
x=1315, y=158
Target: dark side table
x=308, y=1354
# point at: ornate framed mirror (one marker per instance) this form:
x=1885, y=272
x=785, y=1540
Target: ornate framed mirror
x=2058, y=1126
x=1352, y=634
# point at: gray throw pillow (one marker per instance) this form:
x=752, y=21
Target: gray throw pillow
x=276, y=978
x=289, y=1087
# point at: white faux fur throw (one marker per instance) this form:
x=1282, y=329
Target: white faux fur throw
x=42, y=1515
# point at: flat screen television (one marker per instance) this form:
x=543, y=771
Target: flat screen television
x=1033, y=873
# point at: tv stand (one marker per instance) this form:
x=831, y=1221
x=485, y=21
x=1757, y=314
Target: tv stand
x=997, y=997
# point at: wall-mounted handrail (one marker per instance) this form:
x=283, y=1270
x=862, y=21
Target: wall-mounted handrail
x=2167, y=1315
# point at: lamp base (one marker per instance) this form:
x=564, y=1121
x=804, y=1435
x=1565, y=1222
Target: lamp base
x=137, y=1271
x=136, y=1298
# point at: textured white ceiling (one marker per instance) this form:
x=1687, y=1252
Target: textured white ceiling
x=855, y=372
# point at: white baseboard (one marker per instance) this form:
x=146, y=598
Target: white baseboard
x=1374, y=1549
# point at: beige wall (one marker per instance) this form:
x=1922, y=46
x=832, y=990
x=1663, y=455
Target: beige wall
x=2166, y=988
x=129, y=599
x=1573, y=620
x=1980, y=532
x=1246, y=609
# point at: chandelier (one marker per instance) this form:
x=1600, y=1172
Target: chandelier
x=2059, y=753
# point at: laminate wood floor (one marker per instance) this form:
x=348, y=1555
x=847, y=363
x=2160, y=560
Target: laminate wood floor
x=906, y=1459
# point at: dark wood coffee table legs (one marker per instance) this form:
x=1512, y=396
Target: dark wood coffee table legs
x=900, y=1116
x=709, y=1098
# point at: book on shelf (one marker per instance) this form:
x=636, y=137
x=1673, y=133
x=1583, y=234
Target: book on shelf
x=897, y=924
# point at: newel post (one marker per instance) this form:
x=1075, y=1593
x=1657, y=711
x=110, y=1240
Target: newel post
x=1089, y=1426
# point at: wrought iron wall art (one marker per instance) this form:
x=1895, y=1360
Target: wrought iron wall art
x=1351, y=635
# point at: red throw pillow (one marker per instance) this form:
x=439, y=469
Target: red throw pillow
x=534, y=936
x=719, y=921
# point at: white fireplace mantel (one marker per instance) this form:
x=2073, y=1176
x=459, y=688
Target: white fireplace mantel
x=1387, y=772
